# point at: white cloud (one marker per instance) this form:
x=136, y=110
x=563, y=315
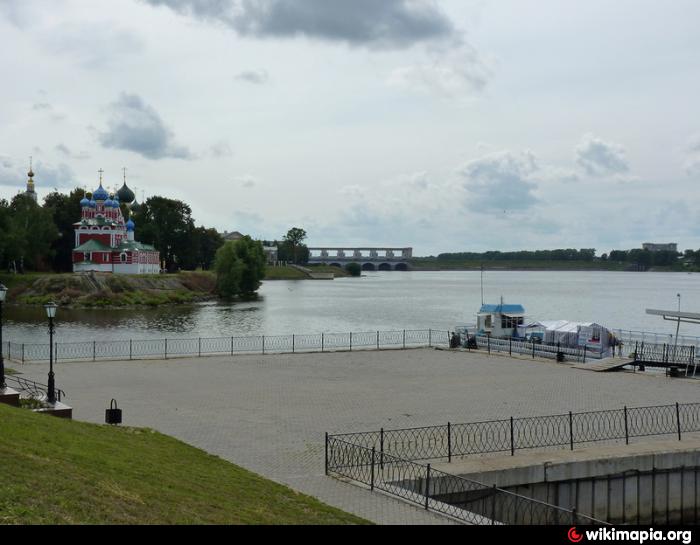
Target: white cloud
x=599, y=158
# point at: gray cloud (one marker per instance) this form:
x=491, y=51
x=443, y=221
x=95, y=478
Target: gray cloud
x=385, y=24
x=599, y=158
x=500, y=182
x=46, y=176
x=62, y=148
x=136, y=126
x=692, y=164
x=255, y=77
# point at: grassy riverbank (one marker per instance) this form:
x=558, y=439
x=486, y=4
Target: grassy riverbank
x=66, y=472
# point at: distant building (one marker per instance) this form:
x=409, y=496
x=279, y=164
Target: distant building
x=232, y=236
x=30, y=192
x=654, y=247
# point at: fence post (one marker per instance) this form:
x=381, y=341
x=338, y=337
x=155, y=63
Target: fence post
x=571, y=429
x=293, y=343
x=585, y=349
x=627, y=432
x=488, y=343
x=678, y=419
x=493, y=505
x=512, y=437
x=94, y=350
x=131, y=349
x=430, y=338
x=381, y=448
x=199, y=346
x=449, y=443
x=8, y=351
x=510, y=346
x=326, y=453
x=351, y=341
x=323, y=337
x=232, y=346
x=371, y=483
x=533, y=350
x=263, y=344
x=427, y=487
x=404, y=339
x=166, y=349
x=377, y=340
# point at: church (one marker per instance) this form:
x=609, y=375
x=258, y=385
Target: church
x=105, y=242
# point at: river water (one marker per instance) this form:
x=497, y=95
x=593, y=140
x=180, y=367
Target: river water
x=385, y=301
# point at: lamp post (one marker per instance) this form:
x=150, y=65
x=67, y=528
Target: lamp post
x=3, y=294
x=51, y=313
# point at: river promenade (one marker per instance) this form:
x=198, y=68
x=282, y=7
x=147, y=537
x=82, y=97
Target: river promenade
x=269, y=413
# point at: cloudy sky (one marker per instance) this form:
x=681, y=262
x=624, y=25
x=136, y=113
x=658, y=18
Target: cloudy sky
x=444, y=125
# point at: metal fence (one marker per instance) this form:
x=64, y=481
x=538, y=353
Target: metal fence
x=630, y=337
x=563, y=430
x=277, y=344
x=31, y=388
x=463, y=499
x=539, y=350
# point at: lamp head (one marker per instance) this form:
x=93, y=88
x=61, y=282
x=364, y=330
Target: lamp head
x=51, y=309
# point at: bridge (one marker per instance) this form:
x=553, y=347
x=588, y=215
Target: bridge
x=370, y=259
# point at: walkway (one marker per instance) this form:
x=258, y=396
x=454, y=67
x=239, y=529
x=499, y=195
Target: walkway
x=269, y=413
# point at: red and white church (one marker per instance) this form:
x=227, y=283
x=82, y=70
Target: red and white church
x=104, y=242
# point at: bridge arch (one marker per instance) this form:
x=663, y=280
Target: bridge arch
x=384, y=267
x=368, y=267
x=401, y=267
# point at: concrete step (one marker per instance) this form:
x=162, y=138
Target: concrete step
x=8, y=396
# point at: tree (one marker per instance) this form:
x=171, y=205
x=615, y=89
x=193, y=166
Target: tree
x=207, y=242
x=240, y=268
x=30, y=234
x=65, y=211
x=354, y=269
x=294, y=238
x=167, y=224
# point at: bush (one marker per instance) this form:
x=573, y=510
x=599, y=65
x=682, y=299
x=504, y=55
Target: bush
x=353, y=269
x=240, y=268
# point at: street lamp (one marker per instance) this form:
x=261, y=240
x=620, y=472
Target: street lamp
x=51, y=313
x=3, y=294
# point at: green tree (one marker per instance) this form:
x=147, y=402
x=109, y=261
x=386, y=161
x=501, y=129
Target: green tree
x=354, y=269
x=65, y=211
x=240, y=268
x=208, y=241
x=167, y=224
x=30, y=235
x=294, y=239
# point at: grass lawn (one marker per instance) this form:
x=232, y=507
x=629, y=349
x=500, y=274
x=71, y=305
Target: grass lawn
x=67, y=472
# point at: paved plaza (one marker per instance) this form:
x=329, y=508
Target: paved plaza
x=269, y=413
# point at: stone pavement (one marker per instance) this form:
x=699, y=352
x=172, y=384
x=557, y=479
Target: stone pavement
x=269, y=413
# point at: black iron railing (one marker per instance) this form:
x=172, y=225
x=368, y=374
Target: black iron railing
x=462, y=499
x=513, y=434
x=31, y=388
x=263, y=344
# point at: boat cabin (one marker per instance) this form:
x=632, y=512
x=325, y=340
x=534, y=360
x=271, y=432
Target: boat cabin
x=500, y=320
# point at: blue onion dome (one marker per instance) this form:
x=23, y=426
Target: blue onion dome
x=115, y=202
x=125, y=194
x=84, y=202
x=130, y=225
x=100, y=194
x=93, y=204
x=108, y=203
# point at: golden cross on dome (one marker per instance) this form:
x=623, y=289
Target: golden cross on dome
x=101, y=172
x=124, y=170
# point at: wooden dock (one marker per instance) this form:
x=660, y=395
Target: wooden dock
x=605, y=365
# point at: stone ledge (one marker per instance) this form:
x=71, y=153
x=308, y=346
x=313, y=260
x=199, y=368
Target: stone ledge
x=9, y=396
x=58, y=409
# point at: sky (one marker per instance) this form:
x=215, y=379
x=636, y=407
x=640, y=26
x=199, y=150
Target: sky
x=455, y=125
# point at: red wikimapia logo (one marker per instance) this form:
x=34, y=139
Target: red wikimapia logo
x=574, y=536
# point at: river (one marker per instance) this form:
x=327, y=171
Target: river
x=385, y=301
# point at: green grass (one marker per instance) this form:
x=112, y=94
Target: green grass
x=59, y=471
x=284, y=273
